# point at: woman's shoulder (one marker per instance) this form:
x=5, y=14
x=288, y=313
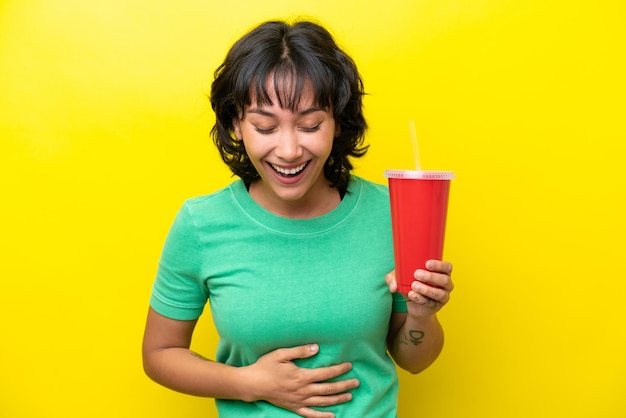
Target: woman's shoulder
x=368, y=187
x=372, y=197
x=213, y=198
x=213, y=205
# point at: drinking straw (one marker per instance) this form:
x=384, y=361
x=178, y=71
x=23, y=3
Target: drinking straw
x=416, y=151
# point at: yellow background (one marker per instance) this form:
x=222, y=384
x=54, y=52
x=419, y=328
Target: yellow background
x=104, y=128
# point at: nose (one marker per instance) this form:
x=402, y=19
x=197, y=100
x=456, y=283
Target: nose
x=288, y=147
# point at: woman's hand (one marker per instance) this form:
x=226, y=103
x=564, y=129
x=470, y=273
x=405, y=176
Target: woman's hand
x=275, y=378
x=430, y=291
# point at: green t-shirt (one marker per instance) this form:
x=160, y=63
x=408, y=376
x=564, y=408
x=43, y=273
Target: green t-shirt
x=275, y=282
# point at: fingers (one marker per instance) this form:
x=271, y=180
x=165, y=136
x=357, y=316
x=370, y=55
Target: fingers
x=432, y=287
x=327, y=394
x=299, y=389
x=302, y=351
x=326, y=373
x=390, y=279
x=327, y=400
x=433, y=297
x=439, y=266
x=312, y=413
x=321, y=392
x=437, y=275
x=321, y=374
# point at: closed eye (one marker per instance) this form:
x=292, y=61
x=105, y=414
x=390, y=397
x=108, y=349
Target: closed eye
x=311, y=129
x=264, y=131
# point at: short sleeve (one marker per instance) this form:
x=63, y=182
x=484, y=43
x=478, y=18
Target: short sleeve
x=399, y=303
x=178, y=291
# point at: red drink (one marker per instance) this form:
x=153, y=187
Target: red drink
x=419, y=207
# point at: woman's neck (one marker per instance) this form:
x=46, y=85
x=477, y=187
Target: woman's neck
x=323, y=201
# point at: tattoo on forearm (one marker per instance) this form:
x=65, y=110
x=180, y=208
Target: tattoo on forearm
x=414, y=337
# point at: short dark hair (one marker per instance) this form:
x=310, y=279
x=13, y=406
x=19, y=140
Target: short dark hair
x=302, y=51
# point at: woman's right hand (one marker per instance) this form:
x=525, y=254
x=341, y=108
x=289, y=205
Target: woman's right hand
x=275, y=378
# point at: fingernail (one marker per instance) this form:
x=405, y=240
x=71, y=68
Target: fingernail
x=313, y=348
x=420, y=274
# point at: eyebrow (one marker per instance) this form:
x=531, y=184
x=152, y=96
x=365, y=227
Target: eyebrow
x=304, y=112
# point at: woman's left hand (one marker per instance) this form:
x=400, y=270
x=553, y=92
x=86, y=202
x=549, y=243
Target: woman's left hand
x=430, y=291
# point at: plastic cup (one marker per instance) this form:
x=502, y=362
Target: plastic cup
x=419, y=208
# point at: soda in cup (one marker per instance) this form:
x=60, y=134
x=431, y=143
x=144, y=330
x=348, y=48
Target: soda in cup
x=419, y=206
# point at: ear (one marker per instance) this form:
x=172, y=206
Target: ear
x=337, y=129
x=237, y=129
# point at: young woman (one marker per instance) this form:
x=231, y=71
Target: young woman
x=296, y=255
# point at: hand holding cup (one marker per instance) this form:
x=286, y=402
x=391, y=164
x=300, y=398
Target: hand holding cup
x=430, y=289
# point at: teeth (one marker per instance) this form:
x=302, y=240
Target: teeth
x=290, y=171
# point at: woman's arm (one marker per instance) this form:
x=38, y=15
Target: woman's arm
x=415, y=338
x=274, y=377
x=168, y=360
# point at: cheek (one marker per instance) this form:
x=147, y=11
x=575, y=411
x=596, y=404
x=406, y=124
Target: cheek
x=328, y=144
x=254, y=148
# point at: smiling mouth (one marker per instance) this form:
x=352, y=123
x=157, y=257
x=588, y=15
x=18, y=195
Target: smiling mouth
x=289, y=172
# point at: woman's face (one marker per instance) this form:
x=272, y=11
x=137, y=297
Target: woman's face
x=289, y=150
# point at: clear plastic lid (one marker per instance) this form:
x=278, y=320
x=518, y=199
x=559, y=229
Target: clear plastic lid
x=420, y=175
